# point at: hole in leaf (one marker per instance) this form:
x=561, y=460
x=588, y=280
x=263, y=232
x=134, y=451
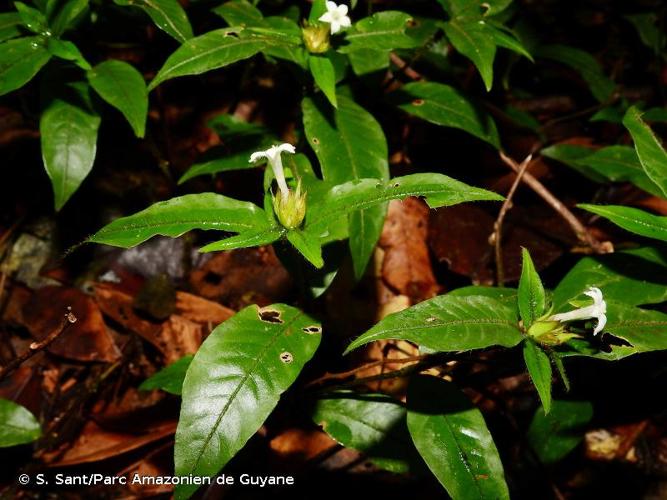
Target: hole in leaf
x=212, y=278
x=316, y=141
x=311, y=330
x=270, y=315
x=397, y=184
x=418, y=102
x=286, y=357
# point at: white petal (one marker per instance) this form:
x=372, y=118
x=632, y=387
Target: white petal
x=331, y=6
x=342, y=10
x=286, y=148
x=595, y=294
x=335, y=27
x=602, y=321
x=256, y=156
x=346, y=22
x=326, y=17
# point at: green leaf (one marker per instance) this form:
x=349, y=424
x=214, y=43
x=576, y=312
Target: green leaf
x=449, y=323
x=68, y=128
x=9, y=25
x=247, y=239
x=555, y=434
x=168, y=15
x=234, y=383
x=32, y=18
x=474, y=8
x=69, y=13
x=632, y=219
x=446, y=106
x=207, y=211
x=309, y=246
x=365, y=61
x=503, y=37
x=539, y=368
x=532, y=298
x=648, y=31
x=213, y=50
x=67, y=51
x=240, y=13
x=387, y=30
x=325, y=211
x=122, y=86
x=613, y=163
x=373, y=424
x=325, y=76
x=472, y=40
x=452, y=437
x=350, y=144
x=17, y=424
x=635, y=277
x=170, y=378
x=234, y=160
x=20, y=60
x=651, y=154
x=583, y=63
x=318, y=8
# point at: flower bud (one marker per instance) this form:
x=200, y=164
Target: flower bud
x=291, y=208
x=549, y=332
x=316, y=38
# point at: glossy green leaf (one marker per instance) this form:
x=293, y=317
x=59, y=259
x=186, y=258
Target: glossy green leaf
x=235, y=381
x=373, y=424
x=232, y=160
x=169, y=379
x=531, y=296
x=67, y=51
x=446, y=106
x=554, y=435
x=350, y=144
x=318, y=8
x=32, y=18
x=452, y=437
x=632, y=219
x=472, y=39
x=68, y=129
x=70, y=11
x=474, y=8
x=539, y=369
x=324, y=76
x=17, y=424
x=213, y=50
x=629, y=330
x=651, y=154
x=20, y=60
x=583, y=63
x=449, y=323
x=168, y=15
x=635, y=277
x=365, y=61
x=248, y=239
x=9, y=25
x=504, y=37
x=240, y=13
x=326, y=210
x=387, y=30
x=308, y=246
x=122, y=86
x=207, y=211
x=613, y=163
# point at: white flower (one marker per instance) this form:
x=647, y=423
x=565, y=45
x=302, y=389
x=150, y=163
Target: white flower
x=336, y=16
x=597, y=310
x=273, y=155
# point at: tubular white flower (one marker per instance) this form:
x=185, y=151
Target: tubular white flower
x=336, y=16
x=597, y=310
x=273, y=156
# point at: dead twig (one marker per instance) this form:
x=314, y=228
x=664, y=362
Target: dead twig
x=579, y=229
x=382, y=362
x=39, y=346
x=496, y=237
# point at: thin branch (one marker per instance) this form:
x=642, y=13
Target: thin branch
x=39, y=346
x=430, y=361
x=343, y=375
x=496, y=237
x=579, y=229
